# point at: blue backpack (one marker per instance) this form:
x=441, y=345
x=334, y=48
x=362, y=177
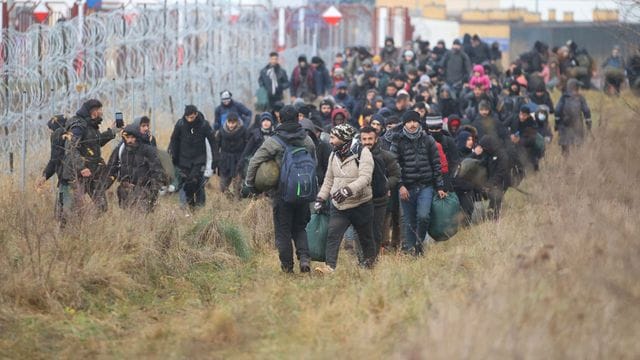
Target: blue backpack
x=298, y=180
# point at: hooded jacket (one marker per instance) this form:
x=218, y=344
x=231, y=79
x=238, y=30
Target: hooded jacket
x=193, y=144
x=482, y=80
x=138, y=164
x=145, y=138
x=57, y=126
x=84, y=149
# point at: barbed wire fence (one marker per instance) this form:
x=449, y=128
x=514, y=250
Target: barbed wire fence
x=139, y=62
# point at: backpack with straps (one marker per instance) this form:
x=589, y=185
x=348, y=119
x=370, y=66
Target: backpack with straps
x=298, y=181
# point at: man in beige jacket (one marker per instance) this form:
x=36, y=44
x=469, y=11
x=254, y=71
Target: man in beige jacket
x=348, y=184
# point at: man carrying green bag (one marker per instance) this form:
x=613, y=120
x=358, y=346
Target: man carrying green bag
x=445, y=218
x=317, y=231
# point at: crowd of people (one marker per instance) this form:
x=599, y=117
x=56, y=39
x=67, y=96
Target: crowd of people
x=371, y=140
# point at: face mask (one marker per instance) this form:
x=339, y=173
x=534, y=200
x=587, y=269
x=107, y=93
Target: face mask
x=437, y=135
x=542, y=117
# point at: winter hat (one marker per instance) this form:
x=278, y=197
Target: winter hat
x=341, y=85
x=278, y=106
x=232, y=116
x=379, y=118
x=266, y=116
x=425, y=80
x=411, y=115
x=457, y=42
x=484, y=104
x=434, y=121
x=344, y=132
x=190, y=109
x=339, y=111
x=302, y=58
x=391, y=120
x=326, y=102
x=225, y=95
x=409, y=53
x=454, y=122
x=525, y=109
x=378, y=98
x=307, y=125
x=316, y=60
x=338, y=72
x=288, y=114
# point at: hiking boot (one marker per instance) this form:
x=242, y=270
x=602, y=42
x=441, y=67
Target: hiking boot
x=324, y=269
x=305, y=266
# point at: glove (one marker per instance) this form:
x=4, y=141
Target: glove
x=319, y=204
x=588, y=123
x=208, y=173
x=247, y=190
x=342, y=194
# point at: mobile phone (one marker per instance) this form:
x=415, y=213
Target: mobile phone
x=119, y=120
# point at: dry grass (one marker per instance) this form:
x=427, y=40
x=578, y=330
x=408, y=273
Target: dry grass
x=555, y=278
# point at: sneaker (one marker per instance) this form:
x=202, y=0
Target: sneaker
x=324, y=269
x=305, y=267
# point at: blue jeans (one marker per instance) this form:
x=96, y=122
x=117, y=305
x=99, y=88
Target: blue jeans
x=415, y=216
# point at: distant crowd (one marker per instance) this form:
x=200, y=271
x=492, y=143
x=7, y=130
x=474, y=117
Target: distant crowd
x=376, y=145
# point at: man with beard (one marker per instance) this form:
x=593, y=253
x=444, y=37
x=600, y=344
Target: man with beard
x=137, y=167
x=289, y=219
x=193, y=151
x=369, y=139
x=84, y=170
x=274, y=80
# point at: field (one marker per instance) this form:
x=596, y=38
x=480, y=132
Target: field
x=555, y=278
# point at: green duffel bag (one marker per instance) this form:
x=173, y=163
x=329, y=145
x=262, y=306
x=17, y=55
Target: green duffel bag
x=539, y=144
x=267, y=176
x=317, y=232
x=167, y=165
x=444, y=216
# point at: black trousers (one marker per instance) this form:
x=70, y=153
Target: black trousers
x=379, y=213
x=360, y=217
x=289, y=222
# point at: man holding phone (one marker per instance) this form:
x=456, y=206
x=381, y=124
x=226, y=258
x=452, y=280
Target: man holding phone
x=84, y=170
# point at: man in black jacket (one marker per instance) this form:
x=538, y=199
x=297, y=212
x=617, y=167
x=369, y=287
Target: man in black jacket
x=369, y=138
x=84, y=170
x=137, y=167
x=274, y=79
x=193, y=153
x=289, y=220
x=420, y=163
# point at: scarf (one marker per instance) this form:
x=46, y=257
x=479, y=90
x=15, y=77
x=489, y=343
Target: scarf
x=273, y=76
x=411, y=135
x=344, y=150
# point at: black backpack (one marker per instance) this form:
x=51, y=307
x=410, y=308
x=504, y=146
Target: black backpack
x=379, y=180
